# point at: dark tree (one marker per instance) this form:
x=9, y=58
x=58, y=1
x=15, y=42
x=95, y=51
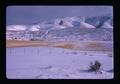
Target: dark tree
x=61, y=22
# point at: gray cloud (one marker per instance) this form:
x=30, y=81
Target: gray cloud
x=31, y=14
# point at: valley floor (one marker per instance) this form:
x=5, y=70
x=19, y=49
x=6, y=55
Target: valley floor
x=81, y=45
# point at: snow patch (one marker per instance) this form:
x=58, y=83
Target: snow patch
x=16, y=27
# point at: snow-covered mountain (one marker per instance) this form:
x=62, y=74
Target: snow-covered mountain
x=16, y=27
x=34, y=28
x=68, y=26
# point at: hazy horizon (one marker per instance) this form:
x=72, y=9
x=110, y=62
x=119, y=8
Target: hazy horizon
x=31, y=14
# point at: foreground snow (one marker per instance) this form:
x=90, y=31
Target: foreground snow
x=55, y=63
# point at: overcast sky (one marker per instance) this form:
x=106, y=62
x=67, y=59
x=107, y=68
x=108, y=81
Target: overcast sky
x=32, y=14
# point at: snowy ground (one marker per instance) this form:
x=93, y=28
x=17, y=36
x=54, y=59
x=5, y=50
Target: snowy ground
x=55, y=63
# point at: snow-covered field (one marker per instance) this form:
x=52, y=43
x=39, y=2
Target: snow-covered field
x=55, y=63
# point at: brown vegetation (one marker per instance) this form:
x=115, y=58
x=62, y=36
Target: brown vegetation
x=90, y=46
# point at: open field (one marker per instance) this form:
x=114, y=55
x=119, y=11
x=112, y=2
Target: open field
x=82, y=45
x=57, y=60
x=55, y=63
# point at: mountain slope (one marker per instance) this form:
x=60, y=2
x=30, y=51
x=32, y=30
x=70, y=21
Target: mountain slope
x=68, y=28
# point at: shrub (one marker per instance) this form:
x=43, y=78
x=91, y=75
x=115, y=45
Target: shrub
x=95, y=67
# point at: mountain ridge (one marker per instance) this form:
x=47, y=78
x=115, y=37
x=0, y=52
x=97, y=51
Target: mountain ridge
x=97, y=27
